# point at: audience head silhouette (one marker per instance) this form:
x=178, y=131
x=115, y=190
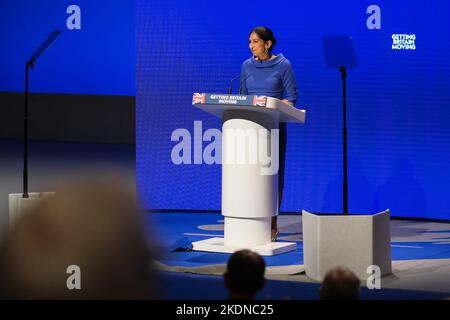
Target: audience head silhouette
x=92, y=226
x=340, y=283
x=245, y=275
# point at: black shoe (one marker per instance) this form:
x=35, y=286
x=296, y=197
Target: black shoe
x=274, y=236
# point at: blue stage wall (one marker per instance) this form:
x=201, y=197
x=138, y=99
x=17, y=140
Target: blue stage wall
x=399, y=133
x=97, y=58
x=398, y=101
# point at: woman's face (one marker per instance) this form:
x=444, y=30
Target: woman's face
x=257, y=45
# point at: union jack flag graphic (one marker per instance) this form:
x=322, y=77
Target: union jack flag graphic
x=259, y=101
x=198, y=98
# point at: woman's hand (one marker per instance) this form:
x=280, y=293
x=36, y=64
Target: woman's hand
x=287, y=101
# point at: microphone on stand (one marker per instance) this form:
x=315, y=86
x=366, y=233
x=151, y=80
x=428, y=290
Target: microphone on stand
x=240, y=84
x=230, y=88
x=30, y=64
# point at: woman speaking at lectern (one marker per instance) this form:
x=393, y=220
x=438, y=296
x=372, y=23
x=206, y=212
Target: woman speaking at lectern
x=271, y=75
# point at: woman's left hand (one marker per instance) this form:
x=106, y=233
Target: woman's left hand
x=287, y=101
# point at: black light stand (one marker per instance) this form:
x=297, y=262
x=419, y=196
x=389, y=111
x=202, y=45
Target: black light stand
x=30, y=64
x=344, y=136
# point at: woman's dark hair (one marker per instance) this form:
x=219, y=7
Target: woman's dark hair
x=265, y=34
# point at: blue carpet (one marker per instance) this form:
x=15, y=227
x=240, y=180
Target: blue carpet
x=171, y=228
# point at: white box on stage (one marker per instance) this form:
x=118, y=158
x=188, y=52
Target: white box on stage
x=353, y=241
x=18, y=205
x=249, y=186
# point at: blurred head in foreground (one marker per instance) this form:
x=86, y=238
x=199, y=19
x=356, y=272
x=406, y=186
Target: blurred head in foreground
x=94, y=226
x=245, y=275
x=340, y=283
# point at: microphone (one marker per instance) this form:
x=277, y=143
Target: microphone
x=240, y=84
x=230, y=88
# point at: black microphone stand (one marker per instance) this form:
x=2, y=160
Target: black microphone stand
x=30, y=64
x=230, y=88
x=344, y=136
x=339, y=53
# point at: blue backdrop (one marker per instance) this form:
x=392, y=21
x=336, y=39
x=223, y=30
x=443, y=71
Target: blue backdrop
x=398, y=101
x=98, y=58
x=399, y=133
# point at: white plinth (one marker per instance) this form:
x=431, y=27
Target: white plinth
x=249, y=188
x=18, y=205
x=353, y=241
x=249, y=232
x=218, y=245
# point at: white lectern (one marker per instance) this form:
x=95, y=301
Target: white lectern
x=249, y=169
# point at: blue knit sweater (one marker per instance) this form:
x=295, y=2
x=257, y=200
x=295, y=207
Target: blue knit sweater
x=273, y=78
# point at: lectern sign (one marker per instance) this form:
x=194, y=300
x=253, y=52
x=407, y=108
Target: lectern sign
x=232, y=99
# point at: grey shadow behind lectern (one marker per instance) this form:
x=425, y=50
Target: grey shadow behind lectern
x=360, y=242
